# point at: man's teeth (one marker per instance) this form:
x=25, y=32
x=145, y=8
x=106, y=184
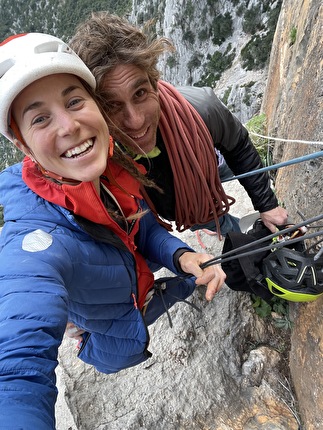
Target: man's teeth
x=78, y=149
x=139, y=136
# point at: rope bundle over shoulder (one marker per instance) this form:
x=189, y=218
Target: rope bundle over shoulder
x=199, y=194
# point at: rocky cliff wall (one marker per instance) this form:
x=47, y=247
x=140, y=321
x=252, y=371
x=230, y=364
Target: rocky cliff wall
x=293, y=103
x=195, y=28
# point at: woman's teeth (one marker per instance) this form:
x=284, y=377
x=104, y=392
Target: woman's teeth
x=78, y=149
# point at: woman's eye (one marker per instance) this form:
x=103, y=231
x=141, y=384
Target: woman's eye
x=74, y=102
x=38, y=120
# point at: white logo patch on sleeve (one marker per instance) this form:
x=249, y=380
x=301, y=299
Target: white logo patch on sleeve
x=36, y=241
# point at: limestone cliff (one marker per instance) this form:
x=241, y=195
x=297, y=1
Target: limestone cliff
x=293, y=103
x=222, y=44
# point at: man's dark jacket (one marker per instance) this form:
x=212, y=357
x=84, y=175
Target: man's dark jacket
x=230, y=137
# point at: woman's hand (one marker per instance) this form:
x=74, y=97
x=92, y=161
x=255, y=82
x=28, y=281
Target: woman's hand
x=74, y=332
x=213, y=276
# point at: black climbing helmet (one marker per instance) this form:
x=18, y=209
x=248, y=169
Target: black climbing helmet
x=288, y=272
x=293, y=275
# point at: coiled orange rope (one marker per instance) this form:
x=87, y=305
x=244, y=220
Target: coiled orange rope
x=199, y=194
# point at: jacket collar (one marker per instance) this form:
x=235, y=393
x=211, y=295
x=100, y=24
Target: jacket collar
x=82, y=199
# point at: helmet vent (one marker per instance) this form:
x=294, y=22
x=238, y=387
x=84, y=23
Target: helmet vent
x=277, y=292
x=51, y=46
x=5, y=66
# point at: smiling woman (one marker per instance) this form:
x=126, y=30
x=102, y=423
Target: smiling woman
x=64, y=128
x=78, y=238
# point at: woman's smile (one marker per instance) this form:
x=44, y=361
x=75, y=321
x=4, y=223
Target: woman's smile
x=79, y=151
x=62, y=127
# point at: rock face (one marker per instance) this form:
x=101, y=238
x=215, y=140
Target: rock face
x=222, y=369
x=199, y=31
x=294, y=105
x=217, y=370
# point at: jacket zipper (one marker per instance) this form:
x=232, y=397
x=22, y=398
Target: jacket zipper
x=119, y=207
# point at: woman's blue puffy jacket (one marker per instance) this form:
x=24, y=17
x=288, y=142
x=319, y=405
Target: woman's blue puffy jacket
x=52, y=271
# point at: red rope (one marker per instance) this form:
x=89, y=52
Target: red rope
x=199, y=194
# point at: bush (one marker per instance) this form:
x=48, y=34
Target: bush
x=171, y=61
x=256, y=52
x=203, y=35
x=292, y=36
x=252, y=20
x=195, y=61
x=258, y=125
x=216, y=65
x=226, y=94
x=189, y=10
x=189, y=36
x=221, y=28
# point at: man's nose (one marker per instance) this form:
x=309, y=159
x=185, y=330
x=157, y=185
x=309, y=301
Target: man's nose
x=133, y=117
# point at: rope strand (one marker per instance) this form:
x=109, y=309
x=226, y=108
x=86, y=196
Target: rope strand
x=200, y=196
x=278, y=139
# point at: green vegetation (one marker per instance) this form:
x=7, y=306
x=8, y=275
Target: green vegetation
x=171, y=61
x=195, y=61
x=226, y=94
x=221, y=28
x=258, y=124
x=240, y=10
x=255, y=54
x=216, y=65
x=292, y=36
x=204, y=34
x=58, y=18
x=189, y=36
x=9, y=153
x=252, y=20
x=189, y=10
x=277, y=310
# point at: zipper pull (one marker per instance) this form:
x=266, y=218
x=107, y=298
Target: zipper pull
x=134, y=300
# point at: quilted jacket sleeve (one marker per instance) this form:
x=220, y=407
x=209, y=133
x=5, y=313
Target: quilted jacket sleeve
x=233, y=141
x=158, y=245
x=33, y=316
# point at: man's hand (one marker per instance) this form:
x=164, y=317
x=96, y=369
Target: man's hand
x=274, y=217
x=213, y=276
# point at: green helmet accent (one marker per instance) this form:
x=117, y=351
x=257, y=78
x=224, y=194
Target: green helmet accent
x=293, y=275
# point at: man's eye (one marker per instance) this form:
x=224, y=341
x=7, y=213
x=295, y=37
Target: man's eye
x=140, y=93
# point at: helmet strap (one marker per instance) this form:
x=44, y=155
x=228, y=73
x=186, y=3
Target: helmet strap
x=16, y=134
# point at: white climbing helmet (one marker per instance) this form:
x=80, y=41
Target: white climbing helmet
x=24, y=58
